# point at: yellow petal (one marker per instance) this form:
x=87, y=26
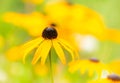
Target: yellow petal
x=37, y=53
x=65, y=43
x=32, y=42
x=42, y=51
x=68, y=49
x=59, y=51
x=26, y=48
x=45, y=51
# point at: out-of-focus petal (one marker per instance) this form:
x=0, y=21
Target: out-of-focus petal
x=27, y=47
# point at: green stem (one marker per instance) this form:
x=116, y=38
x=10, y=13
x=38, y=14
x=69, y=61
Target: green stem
x=51, y=71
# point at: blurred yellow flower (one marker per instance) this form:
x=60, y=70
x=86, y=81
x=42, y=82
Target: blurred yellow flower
x=33, y=22
x=91, y=66
x=8, y=17
x=33, y=1
x=45, y=43
x=1, y=42
x=112, y=78
x=40, y=70
x=13, y=54
x=57, y=12
x=84, y=20
x=114, y=66
x=76, y=17
x=113, y=35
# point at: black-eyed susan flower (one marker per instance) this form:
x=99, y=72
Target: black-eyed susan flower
x=44, y=44
x=84, y=20
x=112, y=78
x=91, y=66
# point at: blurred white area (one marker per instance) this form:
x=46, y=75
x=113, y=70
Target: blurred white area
x=3, y=76
x=105, y=73
x=87, y=43
x=16, y=69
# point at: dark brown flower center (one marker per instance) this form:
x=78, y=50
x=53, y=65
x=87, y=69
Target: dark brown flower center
x=49, y=33
x=69, y=3
x=94, y=60
x=114, y=77
x=53, y=25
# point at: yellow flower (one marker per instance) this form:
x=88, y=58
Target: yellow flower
x=84, y=20
x=112, y=78
x=91, y=66
x=45, y=43
x=34, y=23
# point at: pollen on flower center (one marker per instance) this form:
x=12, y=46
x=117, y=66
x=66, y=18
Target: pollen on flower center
x=49, y=33
x=94, y=60
x=114, y=77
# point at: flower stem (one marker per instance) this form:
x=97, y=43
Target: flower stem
x=51, y=71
